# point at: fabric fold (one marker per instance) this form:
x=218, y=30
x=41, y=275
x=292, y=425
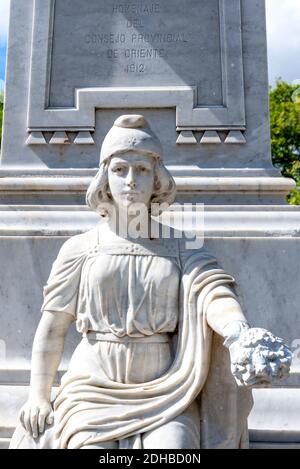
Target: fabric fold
x=116, y=411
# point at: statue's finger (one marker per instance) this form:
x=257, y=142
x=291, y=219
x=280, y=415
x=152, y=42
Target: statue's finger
x=50, y=418
x=41, y=421
x=26, y=419
x=34, y=422
x=21, y=417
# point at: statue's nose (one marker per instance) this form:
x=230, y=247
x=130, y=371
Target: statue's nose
x=130, y=179
x=131, y=184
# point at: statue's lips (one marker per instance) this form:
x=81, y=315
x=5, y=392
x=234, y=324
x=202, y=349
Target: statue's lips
x=130, y=193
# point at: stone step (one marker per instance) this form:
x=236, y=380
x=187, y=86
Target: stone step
x=275, y=416
x=273, y=423
x=6, y=432
x=4, y=443
x=264, y=445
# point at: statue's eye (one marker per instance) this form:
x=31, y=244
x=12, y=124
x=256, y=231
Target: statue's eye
x=143, y=169
x=118, y=169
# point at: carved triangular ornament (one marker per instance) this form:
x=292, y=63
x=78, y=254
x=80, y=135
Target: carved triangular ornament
x=186, y=137
x=235, y=137
x=36, y=138
x=60, y=138
x=84, y=138
x=210, y=137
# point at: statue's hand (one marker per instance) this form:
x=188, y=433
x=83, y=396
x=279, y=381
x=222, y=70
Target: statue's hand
x=34, y=415
x=258, y=357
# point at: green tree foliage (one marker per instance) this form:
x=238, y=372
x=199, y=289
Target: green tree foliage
x=285, y=132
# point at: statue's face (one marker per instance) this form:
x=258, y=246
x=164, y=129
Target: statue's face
x=131, y=179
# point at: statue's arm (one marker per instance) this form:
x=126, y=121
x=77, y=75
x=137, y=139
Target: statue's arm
x=257, y=356
x=47, y=352
x=224, y=314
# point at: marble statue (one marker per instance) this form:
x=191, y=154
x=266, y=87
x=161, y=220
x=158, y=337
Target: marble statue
x=167, y=358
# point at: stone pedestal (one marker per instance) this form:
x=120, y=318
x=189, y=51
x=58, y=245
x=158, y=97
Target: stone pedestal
x=199, y=75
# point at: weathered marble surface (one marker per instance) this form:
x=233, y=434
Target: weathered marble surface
x=161, y=37
x=246, y=259
x=274, y=421
x=254, y=154
x=122, y=293
x=239, y=256
x=257, y=241
x=112, y=300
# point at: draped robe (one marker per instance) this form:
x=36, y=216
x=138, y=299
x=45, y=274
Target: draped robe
x=89, y=401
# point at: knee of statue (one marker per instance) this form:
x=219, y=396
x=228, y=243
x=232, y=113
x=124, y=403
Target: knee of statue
x=153, y=310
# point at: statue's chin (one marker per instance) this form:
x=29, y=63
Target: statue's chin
x=133, y=204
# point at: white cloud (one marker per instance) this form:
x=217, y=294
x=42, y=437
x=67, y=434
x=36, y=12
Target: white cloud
x=4, y=14
x=283, y=20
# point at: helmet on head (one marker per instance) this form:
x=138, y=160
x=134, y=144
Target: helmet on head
x=130, y=133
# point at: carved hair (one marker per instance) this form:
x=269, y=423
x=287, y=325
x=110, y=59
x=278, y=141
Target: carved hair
x=98, y=196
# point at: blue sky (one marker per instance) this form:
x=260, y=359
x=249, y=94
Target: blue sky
x=283, y=23
x=2, y=62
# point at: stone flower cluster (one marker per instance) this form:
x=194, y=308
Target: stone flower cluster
x=258, y=356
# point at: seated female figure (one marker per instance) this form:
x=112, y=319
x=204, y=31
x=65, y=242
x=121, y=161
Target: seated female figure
x=151, y=370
